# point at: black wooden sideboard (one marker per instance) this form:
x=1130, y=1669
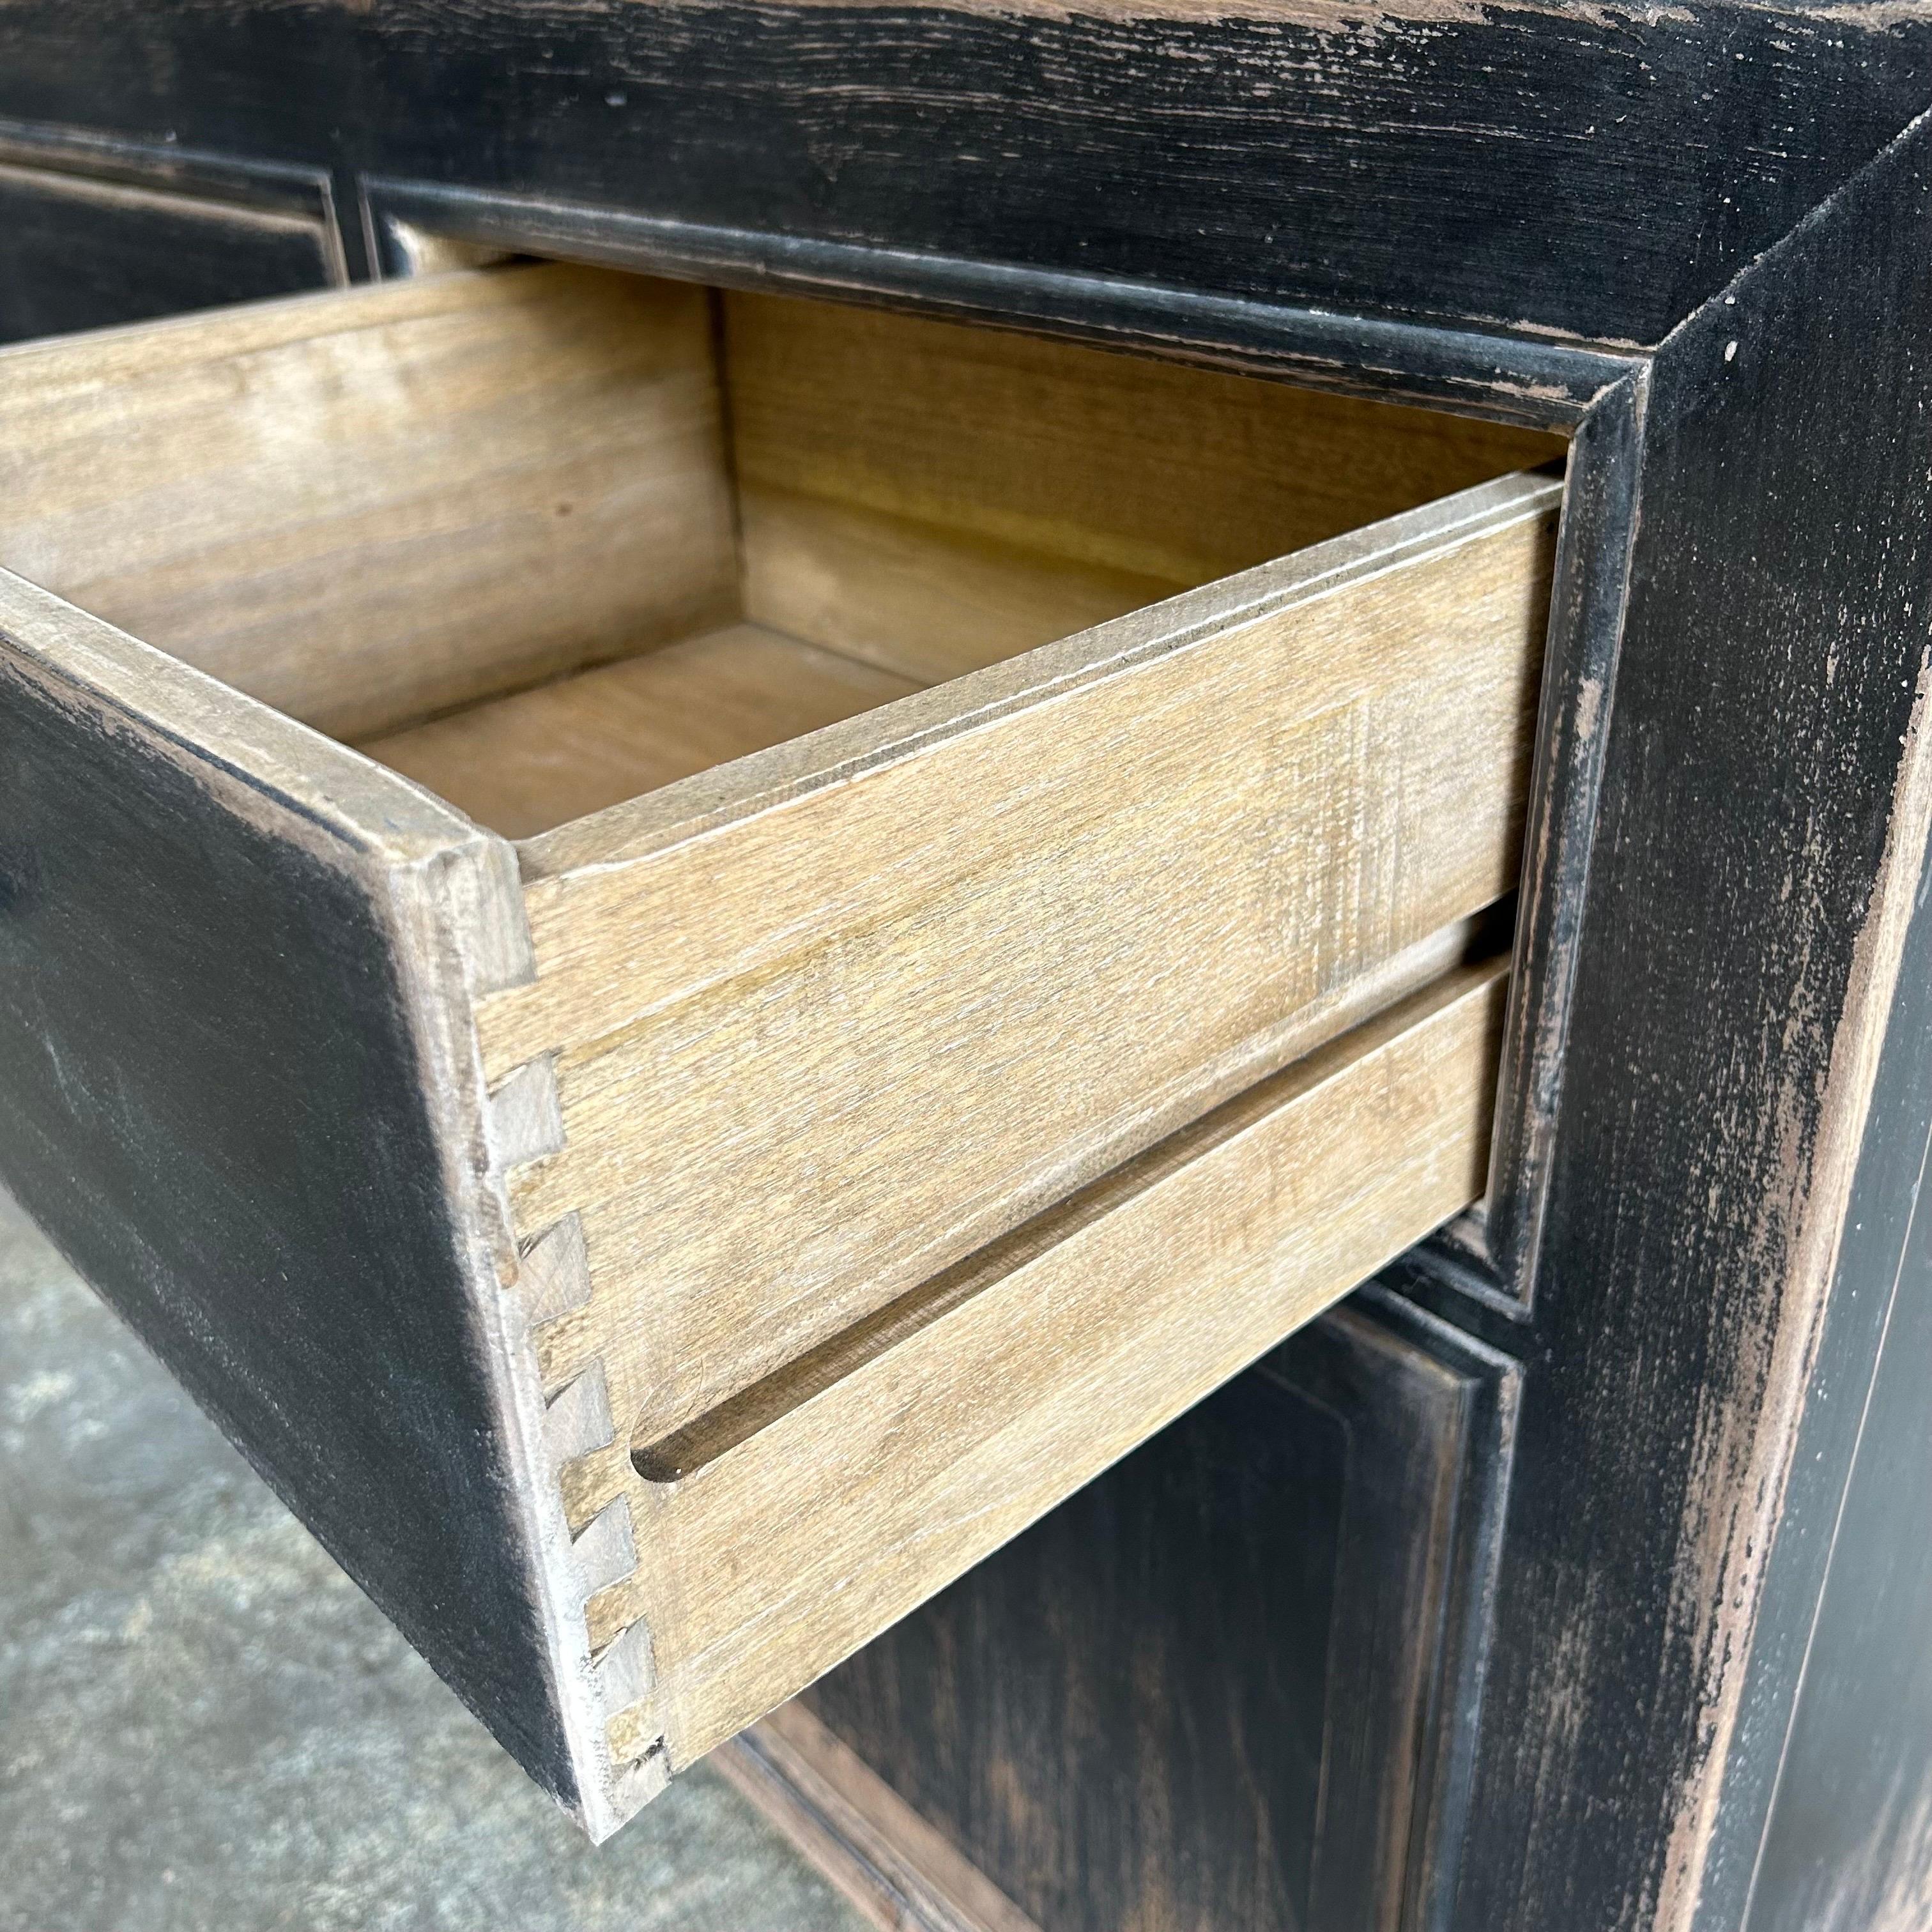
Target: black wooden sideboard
x=1575, y=1573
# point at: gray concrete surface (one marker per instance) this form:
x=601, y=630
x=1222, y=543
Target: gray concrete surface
x=204, y=1724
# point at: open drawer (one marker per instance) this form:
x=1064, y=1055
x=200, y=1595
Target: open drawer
x=907, y=1060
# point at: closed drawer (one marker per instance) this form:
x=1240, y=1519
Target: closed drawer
x=77, y=252
x=713, y=945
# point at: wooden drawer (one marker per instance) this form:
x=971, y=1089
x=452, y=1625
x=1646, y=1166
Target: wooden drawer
x=904, y=1061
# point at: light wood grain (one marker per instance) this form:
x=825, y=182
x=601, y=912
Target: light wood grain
x=1006, y=1386
x=365, y=508
x=931, y=495
x=929, y=602
x=881, y=995
x=526, y=763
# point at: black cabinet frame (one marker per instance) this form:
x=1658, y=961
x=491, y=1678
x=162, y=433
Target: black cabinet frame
x=1699, y=237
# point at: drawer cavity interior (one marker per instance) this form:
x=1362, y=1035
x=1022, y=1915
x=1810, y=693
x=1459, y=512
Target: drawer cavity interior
x=549, y=538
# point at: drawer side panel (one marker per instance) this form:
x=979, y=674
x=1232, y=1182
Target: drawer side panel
x=814, y=1049
x=1039, y=1363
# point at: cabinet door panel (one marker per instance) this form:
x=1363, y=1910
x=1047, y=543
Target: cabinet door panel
x=1234, y=1681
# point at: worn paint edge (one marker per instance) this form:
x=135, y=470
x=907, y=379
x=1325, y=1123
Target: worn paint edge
x=1499, y=375
x=1589, y=597
x=524, y=1279
x=1877, y=958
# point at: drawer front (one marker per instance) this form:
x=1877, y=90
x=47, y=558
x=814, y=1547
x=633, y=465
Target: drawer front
x=79, y=253
x=729, y=1215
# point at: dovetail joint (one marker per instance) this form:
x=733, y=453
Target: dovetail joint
x=553, y=1282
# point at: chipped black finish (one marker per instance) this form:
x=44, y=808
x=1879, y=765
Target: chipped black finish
x=1454, y=171
x=210, y=1097
x=1228, y=1684
x=1586, y=616
x=1699, y=233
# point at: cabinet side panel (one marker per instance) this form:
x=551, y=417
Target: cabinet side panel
x=1767, y=789
x=1849, y=1847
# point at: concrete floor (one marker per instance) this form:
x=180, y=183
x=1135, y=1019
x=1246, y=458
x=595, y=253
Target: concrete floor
x=203, y=1724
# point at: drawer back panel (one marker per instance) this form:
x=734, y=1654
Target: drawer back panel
x=932, y=496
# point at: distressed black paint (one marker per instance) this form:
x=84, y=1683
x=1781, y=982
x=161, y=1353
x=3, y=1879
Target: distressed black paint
x=1849, y=1843
x=1228, y=1683
x=210, y=1098
x=1851, y=1682
x=1776, y=631
x=1464, y=171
